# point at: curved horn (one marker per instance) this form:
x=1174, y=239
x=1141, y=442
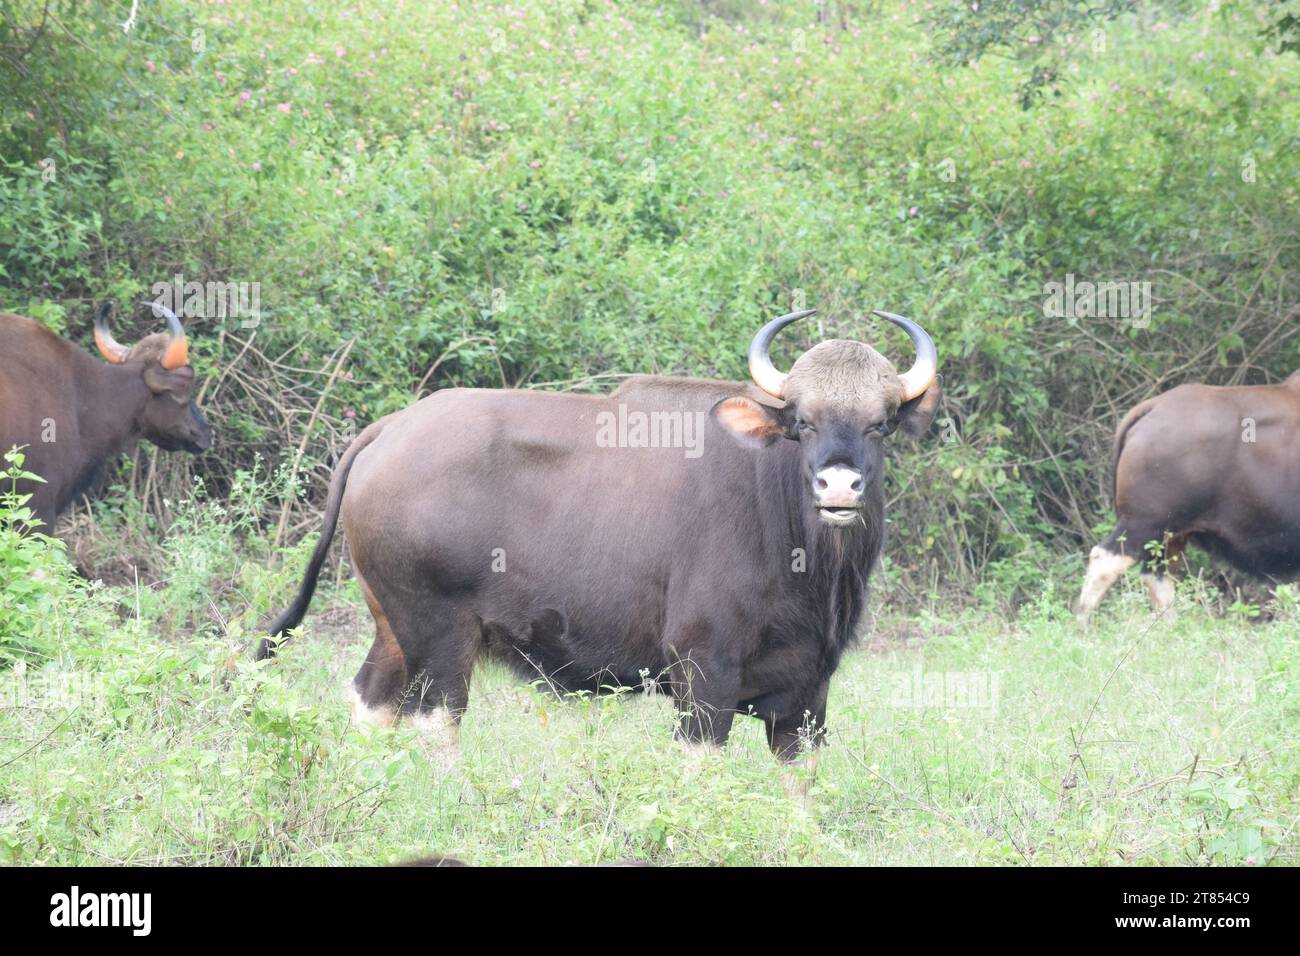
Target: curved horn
x=921, y=375
x=177, y=352
x=761, y=369
x=109, y=347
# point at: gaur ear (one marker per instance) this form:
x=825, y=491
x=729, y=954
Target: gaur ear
x=179, y=383
x=750, y=422
x=914, y=417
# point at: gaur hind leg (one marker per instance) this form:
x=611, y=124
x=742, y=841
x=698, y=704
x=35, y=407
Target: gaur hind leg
x=440, y=641
x=377, y=688
x=1158, y=574
x=418, y=667
x=1106, y=564
x=1132, y=542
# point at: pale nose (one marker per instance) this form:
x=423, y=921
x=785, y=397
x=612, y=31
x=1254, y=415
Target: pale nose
x=838, y=487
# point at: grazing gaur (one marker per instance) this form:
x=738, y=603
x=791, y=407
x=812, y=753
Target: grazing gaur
x=568, y=537
x=1214, y=466
x=74, y=413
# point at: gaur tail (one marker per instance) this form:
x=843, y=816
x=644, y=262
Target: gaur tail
x=1135, y=414
x=294, y=614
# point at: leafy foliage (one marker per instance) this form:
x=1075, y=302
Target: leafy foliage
x=558, y=195
x=481, y=196
x=1284, y=31
x=41, y=597
x=1040, y=34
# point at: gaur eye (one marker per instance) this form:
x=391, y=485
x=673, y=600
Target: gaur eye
x=805, y=426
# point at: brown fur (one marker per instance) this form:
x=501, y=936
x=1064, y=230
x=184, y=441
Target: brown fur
x=492, y=522
x=1184, y=473
x=95, y=409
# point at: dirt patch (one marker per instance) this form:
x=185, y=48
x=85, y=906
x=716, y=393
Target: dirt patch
x=97, y=557
x=895, y=632
x=339, y=624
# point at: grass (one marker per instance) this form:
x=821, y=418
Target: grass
x=1140, y=742
x=528, y=193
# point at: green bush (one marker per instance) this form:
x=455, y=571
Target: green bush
x=560, y=195
x=42, y=601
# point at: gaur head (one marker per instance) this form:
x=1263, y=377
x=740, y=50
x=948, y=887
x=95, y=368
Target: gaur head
x=840, y=400
x=169, y=418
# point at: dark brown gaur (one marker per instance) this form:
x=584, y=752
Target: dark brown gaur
x=75, y=414
x=499, y=523
x=1214, y=466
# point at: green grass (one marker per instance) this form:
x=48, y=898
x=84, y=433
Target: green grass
x=567, y=192
x=1139, y=742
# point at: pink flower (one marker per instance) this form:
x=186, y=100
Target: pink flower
x=244, y=96
x=257, y=166
x=284, y=107
x=350, y=413
x=912, y=211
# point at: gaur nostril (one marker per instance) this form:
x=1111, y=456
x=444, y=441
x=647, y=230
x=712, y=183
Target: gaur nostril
x=821, y=484
x=857, y=485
